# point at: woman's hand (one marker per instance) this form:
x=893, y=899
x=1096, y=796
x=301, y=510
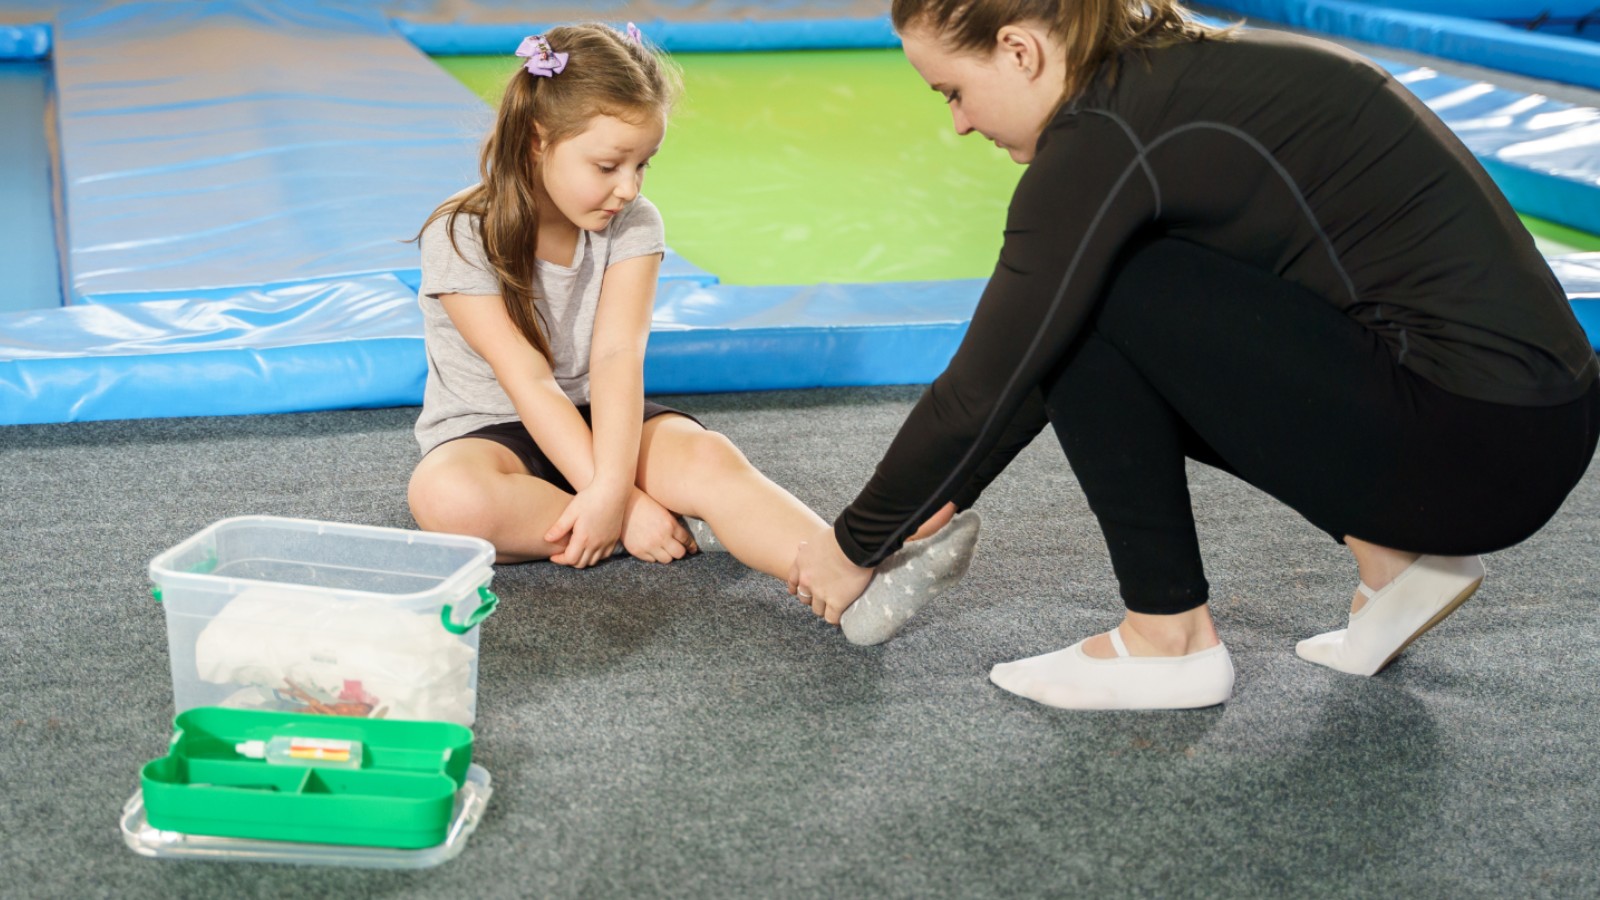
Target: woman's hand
x=824, y=578
x=653, y=534
x=591, y=524
x=935, y=522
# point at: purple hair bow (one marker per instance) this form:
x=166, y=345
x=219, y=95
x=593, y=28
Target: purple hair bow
x=543, y=60
x=635, y=35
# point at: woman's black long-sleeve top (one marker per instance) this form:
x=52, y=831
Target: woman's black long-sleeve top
x=1276, y=150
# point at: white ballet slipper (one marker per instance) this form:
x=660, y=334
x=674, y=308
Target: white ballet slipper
x=1415, y=601
x=910, y=578
x=1072, y=679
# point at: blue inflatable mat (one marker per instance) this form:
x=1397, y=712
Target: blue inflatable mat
x=225, y=145
x=211, y=147
x=27, y=240
x=1580, y=275
x=1444, y=29
x=25, y=42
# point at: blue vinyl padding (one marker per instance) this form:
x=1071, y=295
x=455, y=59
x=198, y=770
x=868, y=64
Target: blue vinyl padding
x=352, y=343
x=1469, y=40
x=304, y=152
x=1580, y=276
x=1494, y=9
x=25, y=42
x=234, y=225
x=727, y=338
x=27, y=236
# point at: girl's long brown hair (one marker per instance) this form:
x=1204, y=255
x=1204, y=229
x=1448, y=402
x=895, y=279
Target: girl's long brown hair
x=1092, y=30
x=606, y=74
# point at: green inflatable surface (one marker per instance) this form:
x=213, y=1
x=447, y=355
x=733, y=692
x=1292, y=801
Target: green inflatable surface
x=817, y=166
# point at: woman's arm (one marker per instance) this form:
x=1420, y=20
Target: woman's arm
x=1086, y=195
x=1024, y=427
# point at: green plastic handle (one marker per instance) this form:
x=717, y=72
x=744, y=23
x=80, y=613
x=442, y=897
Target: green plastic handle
x=487, y=602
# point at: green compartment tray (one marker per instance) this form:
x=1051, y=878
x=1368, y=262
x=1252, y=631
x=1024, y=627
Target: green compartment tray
x=403, y=795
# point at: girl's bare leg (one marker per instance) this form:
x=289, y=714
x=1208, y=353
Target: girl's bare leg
x=700, y=473
x=479, y=488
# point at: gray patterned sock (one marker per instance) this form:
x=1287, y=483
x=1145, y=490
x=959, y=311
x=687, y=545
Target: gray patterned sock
x=909, y=578
x=703, y=538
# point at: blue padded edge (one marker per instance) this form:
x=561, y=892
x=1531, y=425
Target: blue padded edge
x=25, y=42
x=1491, y=44
x=352, y=343
x=674, y=37
x=357, y=374
x=1496, y=9
x=1580, y=275
x=358, y=343
x=727, y=338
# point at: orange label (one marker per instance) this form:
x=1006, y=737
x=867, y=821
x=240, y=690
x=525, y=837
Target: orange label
x=319, y=749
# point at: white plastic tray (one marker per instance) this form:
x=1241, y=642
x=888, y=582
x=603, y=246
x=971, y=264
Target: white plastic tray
x=147, y=840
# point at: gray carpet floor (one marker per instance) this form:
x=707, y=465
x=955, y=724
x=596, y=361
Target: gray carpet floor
x=690, y=731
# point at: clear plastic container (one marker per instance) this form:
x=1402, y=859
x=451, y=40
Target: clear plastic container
x=295, y=615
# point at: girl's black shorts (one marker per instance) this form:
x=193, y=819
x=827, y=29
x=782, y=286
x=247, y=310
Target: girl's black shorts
x=514, y=436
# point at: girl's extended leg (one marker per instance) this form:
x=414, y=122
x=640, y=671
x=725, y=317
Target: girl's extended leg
x=699, y=473
x=695, y=472
x=479, y=487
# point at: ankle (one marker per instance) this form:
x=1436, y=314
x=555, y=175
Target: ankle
x=1171, y=635
x=1377, y=565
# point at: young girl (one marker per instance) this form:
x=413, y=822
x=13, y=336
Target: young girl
x=537, y=288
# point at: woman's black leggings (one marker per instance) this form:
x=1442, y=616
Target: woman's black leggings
x=1193, y=355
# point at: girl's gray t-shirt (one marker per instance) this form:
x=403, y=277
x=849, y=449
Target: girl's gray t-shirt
x=461, y=394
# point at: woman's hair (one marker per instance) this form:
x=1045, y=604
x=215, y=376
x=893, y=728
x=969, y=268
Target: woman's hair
x=1092, y=30
x=607, y=73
